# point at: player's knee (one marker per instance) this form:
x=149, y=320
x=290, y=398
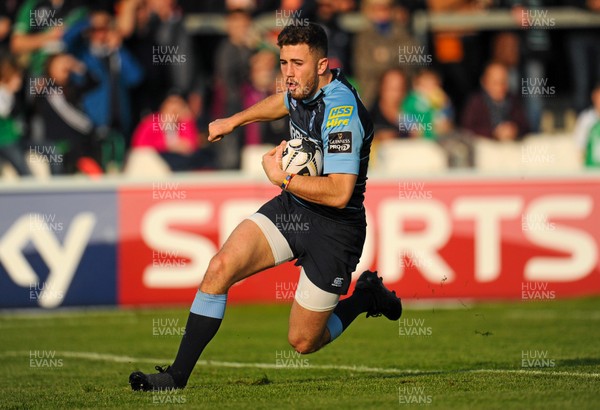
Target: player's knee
x=217, y=277
x=302, y=344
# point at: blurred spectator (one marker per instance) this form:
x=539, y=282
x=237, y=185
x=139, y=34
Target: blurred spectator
x=39, y=27
x=346, y=6
x=248, y=5
x=156, y=36
x=133, y=23
x=173, y=134
x=11, y=79
x=232, y=60
x=376, y=48
x=204, y=6
x=8, y=11
x=98, y=45
x=458, y=53
x=262, y=83
x=306, y=7
x=231, y=72
x=583, y=47
x=427, y=111
x=506, y=50
x=536, y=49
x=339, y=40
x=196, y=100
x=493, y=112
x=66, y=125
x=587, y=130
x=386, y=111
x=166, y=20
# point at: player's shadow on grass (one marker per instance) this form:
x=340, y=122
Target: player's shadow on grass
x=580, y=361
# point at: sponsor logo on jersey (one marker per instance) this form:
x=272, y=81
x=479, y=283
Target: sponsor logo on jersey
x=340, y=111
x=337, y=115
x=340, y=142
x=338, y=282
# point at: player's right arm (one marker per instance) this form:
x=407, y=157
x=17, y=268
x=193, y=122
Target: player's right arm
x=270, y=109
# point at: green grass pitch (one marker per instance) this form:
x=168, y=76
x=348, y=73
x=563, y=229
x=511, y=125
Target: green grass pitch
x=527, y=355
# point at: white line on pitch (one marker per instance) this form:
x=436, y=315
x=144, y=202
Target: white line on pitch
x=361, y=369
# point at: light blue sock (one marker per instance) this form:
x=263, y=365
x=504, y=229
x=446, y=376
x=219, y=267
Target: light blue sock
x=209, y=305
x=334, y=324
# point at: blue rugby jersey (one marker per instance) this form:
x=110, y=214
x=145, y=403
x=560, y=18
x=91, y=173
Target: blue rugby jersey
x=336, y=119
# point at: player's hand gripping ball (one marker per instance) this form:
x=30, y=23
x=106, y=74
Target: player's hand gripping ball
x=303, y=157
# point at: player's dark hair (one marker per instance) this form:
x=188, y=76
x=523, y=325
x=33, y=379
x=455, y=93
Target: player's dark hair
x=310, y=34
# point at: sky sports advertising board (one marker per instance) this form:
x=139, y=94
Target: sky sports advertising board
x=151, y=244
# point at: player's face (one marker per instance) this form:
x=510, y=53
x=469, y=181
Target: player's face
x=300, y=70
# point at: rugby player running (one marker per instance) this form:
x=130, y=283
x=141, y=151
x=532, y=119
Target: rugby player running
x=324, y=108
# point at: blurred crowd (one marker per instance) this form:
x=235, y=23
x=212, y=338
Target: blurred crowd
x=85, y=83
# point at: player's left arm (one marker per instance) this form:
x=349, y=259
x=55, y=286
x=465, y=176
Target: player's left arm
x=332, y=190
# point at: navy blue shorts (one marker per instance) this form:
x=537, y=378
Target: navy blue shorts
x=328, y=250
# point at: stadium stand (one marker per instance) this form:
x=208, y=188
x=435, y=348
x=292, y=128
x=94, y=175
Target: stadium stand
x=396, y=157
x=139, y=26
x=145, y=162
x=252, y=158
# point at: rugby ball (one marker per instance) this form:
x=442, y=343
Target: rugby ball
x=303, y=157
